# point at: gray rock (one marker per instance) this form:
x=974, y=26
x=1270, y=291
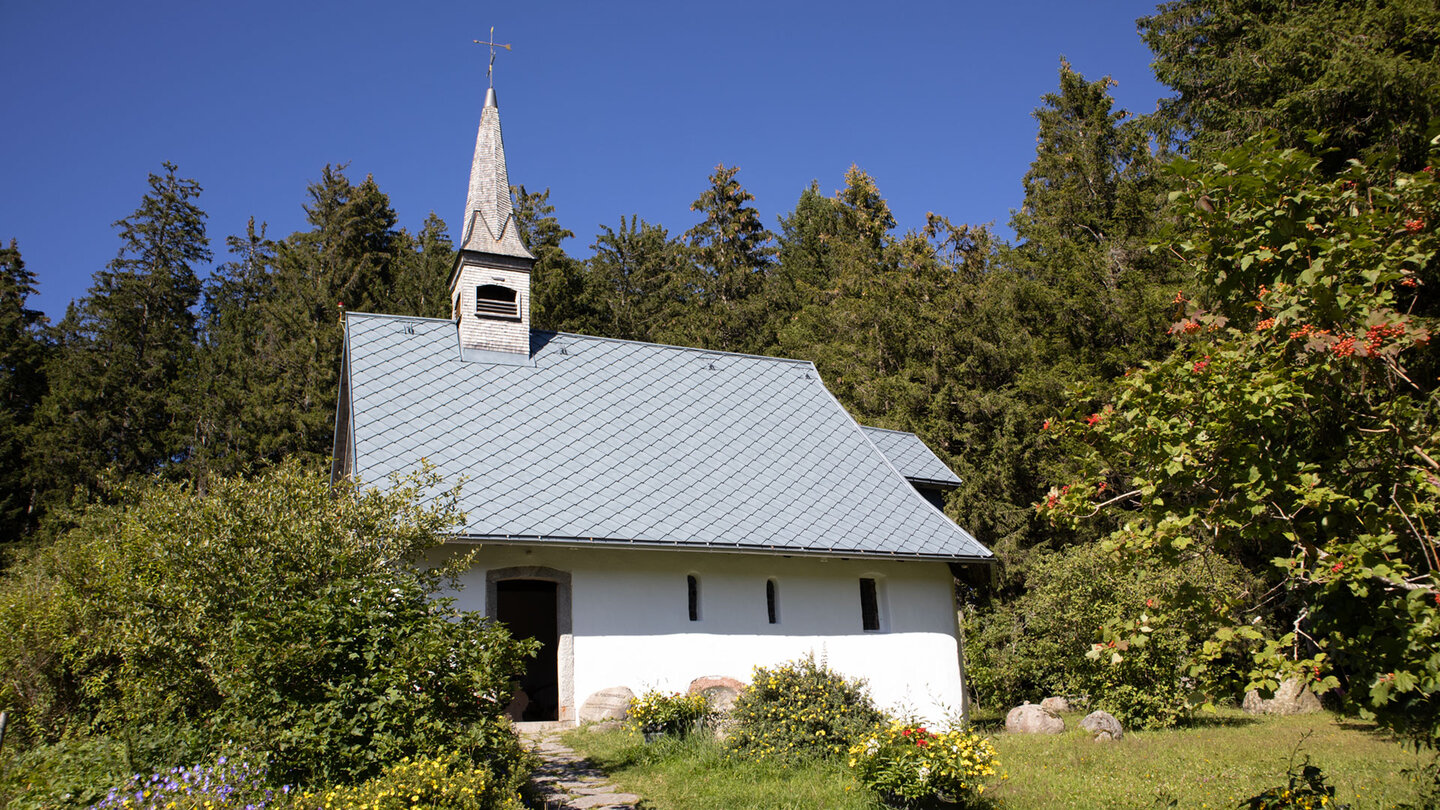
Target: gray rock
x=1055, y=705
x=1032, y=719
x=1103, y=725
x=607, y=704
x=1293, y=697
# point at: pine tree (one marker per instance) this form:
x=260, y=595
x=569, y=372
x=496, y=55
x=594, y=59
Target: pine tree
x=23, y=347
x=121, y=392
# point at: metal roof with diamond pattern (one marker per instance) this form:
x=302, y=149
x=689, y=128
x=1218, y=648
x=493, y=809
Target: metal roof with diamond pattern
x=912, y=457
x=608, y=441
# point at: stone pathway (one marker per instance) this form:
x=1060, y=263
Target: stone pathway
x=567, y=781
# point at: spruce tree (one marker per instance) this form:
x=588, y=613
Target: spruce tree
x=347, y=260
x=640, y=283
x=121, y=387
x=23, y=347
x=420, y=285
x=1091, y=200
x=557, y=282
x=1362, y=74
x=236, y=425
x=735, y=252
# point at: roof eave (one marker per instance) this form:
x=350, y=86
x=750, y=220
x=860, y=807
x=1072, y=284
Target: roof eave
x=714, y=548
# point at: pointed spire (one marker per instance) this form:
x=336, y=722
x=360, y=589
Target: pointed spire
x=489, y=217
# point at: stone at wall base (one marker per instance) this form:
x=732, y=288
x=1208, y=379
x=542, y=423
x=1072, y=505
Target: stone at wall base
x=612, y=703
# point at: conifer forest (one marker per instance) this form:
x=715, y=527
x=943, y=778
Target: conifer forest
x=1194, y=403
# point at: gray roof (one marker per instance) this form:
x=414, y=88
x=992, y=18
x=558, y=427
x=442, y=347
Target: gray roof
x=608, y=441
x=912, y=457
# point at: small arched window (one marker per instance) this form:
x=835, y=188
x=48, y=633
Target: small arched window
x=692, y=589
x=869, y=605
x=494, y=301
x=772, y=602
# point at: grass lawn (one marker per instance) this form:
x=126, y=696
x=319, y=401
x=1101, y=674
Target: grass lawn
x=1216, y=763
x=1231, y=758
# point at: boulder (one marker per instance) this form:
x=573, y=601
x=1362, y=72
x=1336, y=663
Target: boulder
x=1103, y=725
x=719, y=691
x=1055, y=705
x=612, y=703
x=1293, y=697
x=1031, y=719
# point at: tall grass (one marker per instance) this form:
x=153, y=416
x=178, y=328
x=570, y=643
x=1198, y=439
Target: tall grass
x=694, y=773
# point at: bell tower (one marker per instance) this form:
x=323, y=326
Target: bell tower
x=490, y=285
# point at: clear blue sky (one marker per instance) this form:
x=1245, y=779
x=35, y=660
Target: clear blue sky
x=618, y=107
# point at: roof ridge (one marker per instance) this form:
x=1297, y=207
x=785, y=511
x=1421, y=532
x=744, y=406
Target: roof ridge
x=890, y=430
x=557, y=333
x=393, y=317
x=795, y=360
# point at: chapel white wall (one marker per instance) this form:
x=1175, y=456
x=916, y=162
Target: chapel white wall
x=631, y=626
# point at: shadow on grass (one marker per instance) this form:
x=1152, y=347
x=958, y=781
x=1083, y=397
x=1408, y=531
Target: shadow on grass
x=1218, y=721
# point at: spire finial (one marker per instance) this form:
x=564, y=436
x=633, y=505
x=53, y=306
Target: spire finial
x=490, y=71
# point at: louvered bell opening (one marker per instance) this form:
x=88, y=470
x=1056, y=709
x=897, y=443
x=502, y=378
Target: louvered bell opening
x=494, y=301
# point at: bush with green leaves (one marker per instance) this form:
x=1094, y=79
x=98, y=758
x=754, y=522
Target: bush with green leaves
x=800, y=710
x=272, y=613
x=667, y=712
x=73, y=772
x=1048, y=641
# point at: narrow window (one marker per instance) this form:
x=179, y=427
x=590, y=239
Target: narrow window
x=869, y=605
x=692, y=586
x=772, y=608
x=494, y=301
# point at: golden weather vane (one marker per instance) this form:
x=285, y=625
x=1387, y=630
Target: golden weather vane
x=490, y=71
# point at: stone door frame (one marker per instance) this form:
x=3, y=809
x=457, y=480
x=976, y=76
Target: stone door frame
x=564, y=624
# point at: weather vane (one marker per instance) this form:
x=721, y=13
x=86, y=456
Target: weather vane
x=490, y=71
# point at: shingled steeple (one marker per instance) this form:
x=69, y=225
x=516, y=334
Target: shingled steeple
x=489, y=215
x=490, y=287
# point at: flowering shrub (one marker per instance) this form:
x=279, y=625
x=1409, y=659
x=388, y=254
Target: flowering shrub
x=910, y=766
x=672, y=713
x=1306, y=451
x=800, y=710
x=446, y=781
x=228, y=782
